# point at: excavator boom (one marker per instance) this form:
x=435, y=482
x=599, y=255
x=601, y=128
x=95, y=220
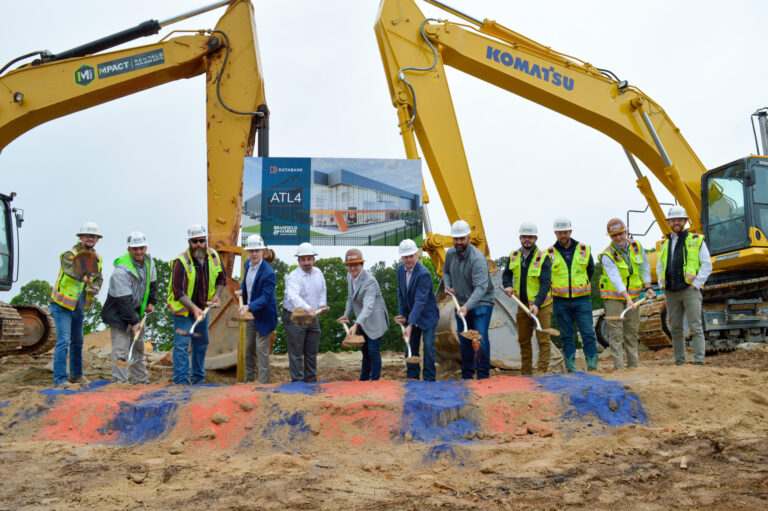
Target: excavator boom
x=235, y=108
x=415, y=50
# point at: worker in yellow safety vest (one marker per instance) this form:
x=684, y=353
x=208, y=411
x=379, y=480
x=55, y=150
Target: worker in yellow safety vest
x=73, y=293
x=682, y=269
x=572, y=269
x=197, y=279
x=528, y=276
x=626, y=274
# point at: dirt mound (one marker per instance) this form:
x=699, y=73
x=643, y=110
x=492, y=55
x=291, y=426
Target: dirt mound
x=547, y=442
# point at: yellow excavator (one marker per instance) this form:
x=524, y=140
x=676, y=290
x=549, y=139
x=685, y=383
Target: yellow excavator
x=55, y=85
x=728, y=204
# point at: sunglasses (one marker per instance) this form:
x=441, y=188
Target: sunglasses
x=199, y=241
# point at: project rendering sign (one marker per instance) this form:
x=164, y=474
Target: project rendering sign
x=332, y=201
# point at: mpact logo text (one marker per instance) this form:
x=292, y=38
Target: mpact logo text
x=546, y=74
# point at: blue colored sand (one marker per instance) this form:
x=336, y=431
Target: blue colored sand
x=148, y=418
x=295, y=387
x=589, y=397
x=437, y=411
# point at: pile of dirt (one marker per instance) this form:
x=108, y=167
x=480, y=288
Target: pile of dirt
x=702, y=444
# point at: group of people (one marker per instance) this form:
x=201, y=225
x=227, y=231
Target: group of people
x=557, y=280
x=552, y=281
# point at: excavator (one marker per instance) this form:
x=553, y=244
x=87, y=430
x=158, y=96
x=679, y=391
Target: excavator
x=728, y=204
x=53, y=85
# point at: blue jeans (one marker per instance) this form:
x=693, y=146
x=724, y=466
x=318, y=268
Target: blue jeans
x=579, y=311
x=478, y=319
x=428, y=373
x=69, y=337
x=181, y=352
x=371, y=357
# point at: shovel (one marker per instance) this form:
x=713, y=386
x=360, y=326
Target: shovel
x=472, y=335
x=410, y=358
x=302, y=317
x=624, y=312
x=246, y=316
x=85, y=264
x=191, y=332
x=351, y=341
x=122, y=362
x=550, y=331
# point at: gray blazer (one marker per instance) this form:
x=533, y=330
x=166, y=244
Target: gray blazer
x=368, y=305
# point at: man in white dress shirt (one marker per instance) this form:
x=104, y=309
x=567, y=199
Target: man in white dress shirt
x=304, y=288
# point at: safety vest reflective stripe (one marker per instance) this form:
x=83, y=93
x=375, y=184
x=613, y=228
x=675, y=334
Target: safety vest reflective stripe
x=66, y=292
x=534, y=271
x=633, y=282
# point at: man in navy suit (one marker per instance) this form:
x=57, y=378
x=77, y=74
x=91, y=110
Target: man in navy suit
x=258, y=292
x=417, y=308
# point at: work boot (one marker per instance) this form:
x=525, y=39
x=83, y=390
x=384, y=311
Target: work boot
x=570, y=363
x=592, y=363
x=79, y=379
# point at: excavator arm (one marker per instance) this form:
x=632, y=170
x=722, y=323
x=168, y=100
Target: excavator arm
x=235, y=102
x=415, y=51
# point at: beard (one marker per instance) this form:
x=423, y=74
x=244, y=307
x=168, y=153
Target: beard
x=197, y=252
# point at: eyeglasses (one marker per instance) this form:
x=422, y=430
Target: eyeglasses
x=199, y=241
x=89, y=236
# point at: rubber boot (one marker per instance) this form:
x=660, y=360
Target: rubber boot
x=570, y=363
x=592, y=363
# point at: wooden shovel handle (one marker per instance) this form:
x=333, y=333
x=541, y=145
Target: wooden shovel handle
x=346, y=328
x=402, y=328
x=141, y=325
x=521, y=304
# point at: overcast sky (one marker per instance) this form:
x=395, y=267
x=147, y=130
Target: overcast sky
x=139, y=163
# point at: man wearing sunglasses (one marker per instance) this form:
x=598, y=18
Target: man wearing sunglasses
x=72, y=295
x=196, y=282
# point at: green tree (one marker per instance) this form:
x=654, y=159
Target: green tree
x=92, y=320
x=161, y=321
x=34, y=292
x=597, y=302
x=281, y=271
x=427, y=262
x=335, y=273
x=386, y=276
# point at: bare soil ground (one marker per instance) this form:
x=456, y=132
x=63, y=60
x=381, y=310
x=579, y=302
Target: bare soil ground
x=705, y=446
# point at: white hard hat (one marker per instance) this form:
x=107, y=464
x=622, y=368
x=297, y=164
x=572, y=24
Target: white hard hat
x=562, y=224
x=305, y=249
x=407, y=247
x=90, y=228
x=137, y=239
x=196, y=231
x=255, y=242
x=676, y=212
x=528, y=229
x=459, y=229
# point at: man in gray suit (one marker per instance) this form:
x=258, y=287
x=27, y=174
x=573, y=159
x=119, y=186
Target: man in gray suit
x=371, y=318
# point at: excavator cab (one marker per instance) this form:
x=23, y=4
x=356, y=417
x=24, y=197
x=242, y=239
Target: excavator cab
x=735, y=210
x=6, y=243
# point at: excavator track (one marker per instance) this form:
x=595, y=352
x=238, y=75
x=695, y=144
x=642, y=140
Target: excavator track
x=26, y=330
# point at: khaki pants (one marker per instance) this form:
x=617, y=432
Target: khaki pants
x=256, y=354
x=688, y=302
x=623, y=334
x=525, y=329
x=121, y=343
